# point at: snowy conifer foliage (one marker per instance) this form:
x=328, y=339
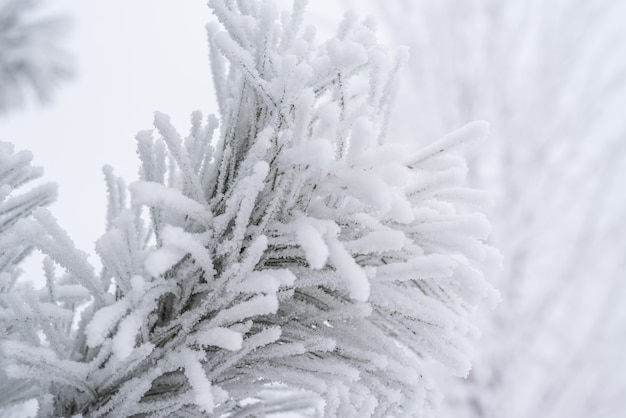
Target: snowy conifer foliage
x=16, y=171
x=289, y=259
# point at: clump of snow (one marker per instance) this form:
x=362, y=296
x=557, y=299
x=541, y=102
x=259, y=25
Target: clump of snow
x=203, y=395
x=176, y=244
x=103, y=321
x=157, y=195
x=221, y=337
x=312, y=242
x=126, y=336
x=354, y=276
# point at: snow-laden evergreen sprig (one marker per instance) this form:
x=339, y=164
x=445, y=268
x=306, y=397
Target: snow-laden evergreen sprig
x=16, y=204
x=18, y=306
x=296, y=262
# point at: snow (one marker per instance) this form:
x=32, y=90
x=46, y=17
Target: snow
x=203, y=396
x=393, y=173
x=346, y=54
x=265, y=337
x=377, y=242
x=361, y=139
x=103, y=321
x=368, y=188
x=158, y=262
x=429, y=266
x=267, y=281
x=177, y=243
x=260, y=282
x=125, y=338
x=258, y=305
x=138, y=285
x=317, y=153
x=71, y=292
x=221, y=337
x=355, y=278
x=326, y=127
x=401, y=209
x=157, y=195
x=312, y=242
x=284, y=276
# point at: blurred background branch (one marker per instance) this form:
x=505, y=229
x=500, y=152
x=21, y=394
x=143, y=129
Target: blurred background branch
x=32, y=60
x=550, y=78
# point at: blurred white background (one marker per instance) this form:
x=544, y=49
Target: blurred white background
x=550, y=77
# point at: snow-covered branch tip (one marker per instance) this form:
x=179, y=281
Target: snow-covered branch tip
x=296, y=261
x=19, y=307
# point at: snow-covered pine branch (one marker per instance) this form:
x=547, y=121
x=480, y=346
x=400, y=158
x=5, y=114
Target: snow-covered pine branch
x=16, y=204
x=295, y=261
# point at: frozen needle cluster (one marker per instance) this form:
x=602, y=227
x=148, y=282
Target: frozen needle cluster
x=16, y=316
x=290, y=259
